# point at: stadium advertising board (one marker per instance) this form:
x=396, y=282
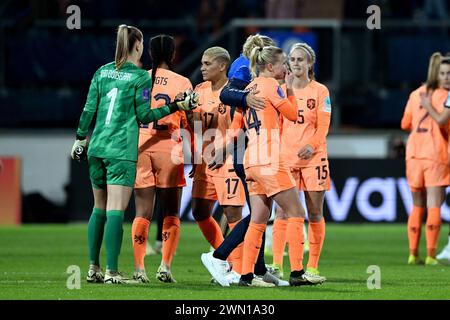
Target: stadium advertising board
x=10, y=193
x=362, y=190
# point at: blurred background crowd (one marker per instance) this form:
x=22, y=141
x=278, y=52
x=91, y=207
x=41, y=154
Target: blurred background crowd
x=44, y=65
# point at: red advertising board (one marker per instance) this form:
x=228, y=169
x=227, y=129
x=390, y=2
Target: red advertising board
x=10, y=193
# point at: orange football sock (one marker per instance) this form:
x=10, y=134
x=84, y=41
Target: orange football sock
x=414, y=229
x=252, y=245
x=211, y=230
x=295, y=240
x=171, y=236
x=432, y=232
x=236, y=255
x=316, y=236
x=139, y=233
x=279, y=240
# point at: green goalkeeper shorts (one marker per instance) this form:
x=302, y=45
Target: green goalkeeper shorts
x=111, y=172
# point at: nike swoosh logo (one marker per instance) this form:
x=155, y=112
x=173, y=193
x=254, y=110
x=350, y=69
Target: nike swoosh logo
x=228, y=197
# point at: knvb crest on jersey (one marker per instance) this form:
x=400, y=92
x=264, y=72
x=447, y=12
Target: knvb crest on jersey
x=222, y=108
x=311, y=104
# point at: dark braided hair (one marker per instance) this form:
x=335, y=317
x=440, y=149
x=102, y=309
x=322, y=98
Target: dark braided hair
x=162, y=49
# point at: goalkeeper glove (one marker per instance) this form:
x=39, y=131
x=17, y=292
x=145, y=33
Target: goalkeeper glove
x=79, y=150
x=188, y=102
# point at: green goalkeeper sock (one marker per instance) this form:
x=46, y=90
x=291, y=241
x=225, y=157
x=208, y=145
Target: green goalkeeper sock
x=113, y=238
x=95, y=234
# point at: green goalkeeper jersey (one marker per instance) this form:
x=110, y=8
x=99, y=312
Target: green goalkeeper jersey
x=120, y=98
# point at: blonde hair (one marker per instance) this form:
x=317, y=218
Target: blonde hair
x=309, y=52
x=218, y=53
x=256, y=40
x=433, y=71
x=126, y=38
x=261, y=56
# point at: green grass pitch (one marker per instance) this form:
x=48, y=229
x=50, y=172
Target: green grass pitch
x=34, y=260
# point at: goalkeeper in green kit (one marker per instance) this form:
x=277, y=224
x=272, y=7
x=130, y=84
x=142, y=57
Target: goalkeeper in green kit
x=120, y=97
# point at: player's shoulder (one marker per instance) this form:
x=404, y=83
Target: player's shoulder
x=173, y=77
x=142, y=76
x=263, y=80
x=128, y=71
x=416, y=93
x=203, y=86
x=269, y=83
x=134, y=69
x=263, y=84
x=440, y=93
x=109, y=65
x=320, y=87
x=240, y=69
x=105, y=67
x=254, y=82
x=178, y=78
x=241, y=62
x=168, y=73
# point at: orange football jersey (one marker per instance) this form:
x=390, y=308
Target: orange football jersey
x=427, y=140
x=164, y=135
x=313, y=105
x=263, y=127
x=216, y=119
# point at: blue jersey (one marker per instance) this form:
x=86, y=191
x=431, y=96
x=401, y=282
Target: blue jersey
x=240, y=69
x=234, y=93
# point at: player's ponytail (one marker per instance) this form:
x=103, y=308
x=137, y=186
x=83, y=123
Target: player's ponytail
x=433, y=72
x=255, y=60
x=261, y=56
x=162, y=49
x=121, y=46
x=254, y=41
x=126, y=38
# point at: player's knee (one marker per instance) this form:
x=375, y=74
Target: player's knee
x=259, y=219
x=233, y=215
x=294, y=211
x=144, y=207
x=296, y=214
x=200, y=215
x=172, y=214
x=144, y=213
x=280, y=214
x=100, y=201
x=315, y=217
x=99, y=204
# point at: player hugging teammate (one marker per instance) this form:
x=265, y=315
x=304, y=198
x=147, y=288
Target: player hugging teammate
x=285, y=113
